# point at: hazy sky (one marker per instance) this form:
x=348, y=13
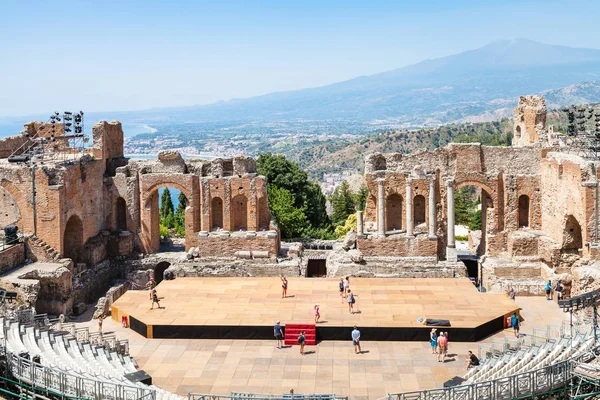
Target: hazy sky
x=127, y=55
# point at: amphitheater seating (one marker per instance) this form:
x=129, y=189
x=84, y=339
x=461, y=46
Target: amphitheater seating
x=63, y=353
x=545, y=348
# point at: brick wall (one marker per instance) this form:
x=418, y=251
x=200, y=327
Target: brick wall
x=12, y=256
x=398, y=245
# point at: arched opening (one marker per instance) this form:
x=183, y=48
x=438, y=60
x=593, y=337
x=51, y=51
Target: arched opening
x=121, y=207
x=163, y=218
x=472, y=207
x=523, y=211
x=73, y=238
x=239, y=208
x=216, y=212
x=419, y=209
x=572, y=239
x=159, y=271
x=518, y=132
x=393, y=215
x=9, y=210
x=264, y=217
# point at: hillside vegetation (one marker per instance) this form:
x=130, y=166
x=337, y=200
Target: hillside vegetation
x=340, y=155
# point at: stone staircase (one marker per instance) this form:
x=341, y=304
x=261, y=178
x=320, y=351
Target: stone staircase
x=42, y=250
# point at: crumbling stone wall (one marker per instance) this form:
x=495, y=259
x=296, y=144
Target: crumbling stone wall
x=11, y=256
x=530, y=121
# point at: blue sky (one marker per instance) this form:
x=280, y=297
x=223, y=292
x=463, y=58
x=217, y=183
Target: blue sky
x=128, y=55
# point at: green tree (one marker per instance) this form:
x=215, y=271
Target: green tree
x=291, y=220
x=360, y=198
x=475, y=224
x=342, y=204
x=166, y=213
x=306, y=195
x=342, y=230
x=180, y=214
x=463, y=205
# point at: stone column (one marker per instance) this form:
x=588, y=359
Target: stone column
x=451, y=244
x=409, y=208
x=380, y=207
x=359, y=223
x=432, y=234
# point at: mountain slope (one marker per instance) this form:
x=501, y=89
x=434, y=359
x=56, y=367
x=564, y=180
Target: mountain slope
x=433, y=91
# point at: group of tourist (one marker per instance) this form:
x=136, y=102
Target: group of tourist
x=439, y=344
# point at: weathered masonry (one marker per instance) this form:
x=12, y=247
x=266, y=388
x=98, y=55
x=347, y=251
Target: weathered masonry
x=101, y=191
x=537, y=203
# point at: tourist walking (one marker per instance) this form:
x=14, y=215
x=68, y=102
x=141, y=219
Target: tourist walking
x=441, y=347
x=154, y=299
x=351, y=301
x=301, y=340
x=433, y=340
x=346, y=285
x=548, y=290
x=472, y=361
x=317, y=313
x=278, y=334
x=100, y=319
x=284, y=286
x=356, y=340
x=514, y=322
x=341, y=285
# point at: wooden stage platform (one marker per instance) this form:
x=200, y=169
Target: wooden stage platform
x=247, y=308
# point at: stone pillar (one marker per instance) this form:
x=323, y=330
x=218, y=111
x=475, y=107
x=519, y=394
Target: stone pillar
x=359, y=223
x=451, y=244
x=380, y=207
x=409, y=208
x=432, y=234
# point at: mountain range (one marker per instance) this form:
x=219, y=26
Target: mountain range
x=475, y=85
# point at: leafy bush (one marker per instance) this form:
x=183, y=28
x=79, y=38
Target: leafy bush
x=462, y=238
x=342, y=230
x=164, y=231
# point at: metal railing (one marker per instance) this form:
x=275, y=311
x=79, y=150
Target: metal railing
x=6, y=243
x=258, y=396
x=517, y=386
x=71, y=384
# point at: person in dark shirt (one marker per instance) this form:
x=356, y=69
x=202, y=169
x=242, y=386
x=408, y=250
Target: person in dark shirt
x=278, y=334
x=472, y=361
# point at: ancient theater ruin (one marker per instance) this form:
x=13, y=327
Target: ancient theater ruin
x=94, y=219
x=538, y=204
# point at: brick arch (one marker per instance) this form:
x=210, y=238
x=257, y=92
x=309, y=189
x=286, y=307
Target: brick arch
x=149, y=215
x=167, y=183
x=394, y=204
x=25, y=221
x=483, y=186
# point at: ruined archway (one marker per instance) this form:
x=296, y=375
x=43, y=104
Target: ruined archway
x=73, y=238
x=393, y=216
x=154, y=226
x=239, y=211
x=473, y=214
x=419, y=209
x=121, y=214
x=10, y=213
x=523, y=211
x=572, y=239
x=159, y=271
x=216, y=214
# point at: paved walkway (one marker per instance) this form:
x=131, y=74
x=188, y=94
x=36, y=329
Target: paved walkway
x=223, y=366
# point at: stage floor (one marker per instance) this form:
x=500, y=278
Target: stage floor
x=240, y=303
